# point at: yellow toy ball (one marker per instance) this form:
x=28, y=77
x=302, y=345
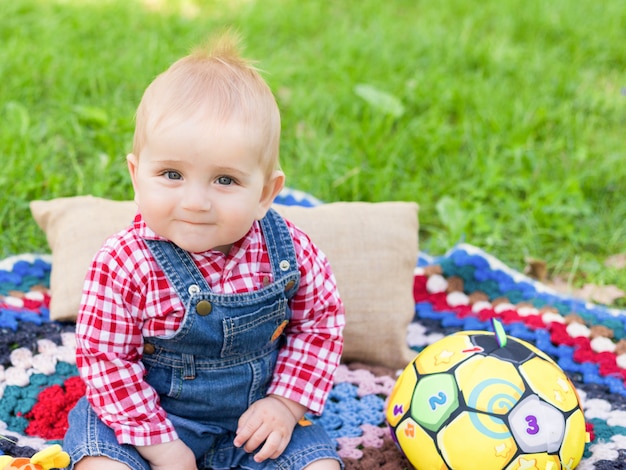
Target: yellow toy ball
x=486, y=401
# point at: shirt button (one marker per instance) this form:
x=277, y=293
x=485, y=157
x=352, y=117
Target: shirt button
x=193, y=289
x=148, y=348
x=284, y=265
x=204, y=307
x=290, y=285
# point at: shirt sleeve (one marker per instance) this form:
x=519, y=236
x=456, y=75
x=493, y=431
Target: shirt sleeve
x=109, y=349
x=314, y=341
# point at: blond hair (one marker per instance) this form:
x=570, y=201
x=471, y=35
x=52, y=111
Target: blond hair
x=215, y=83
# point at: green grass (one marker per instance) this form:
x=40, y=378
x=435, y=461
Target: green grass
x=503, y=119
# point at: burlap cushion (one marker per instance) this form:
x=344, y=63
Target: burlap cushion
x=372, y=248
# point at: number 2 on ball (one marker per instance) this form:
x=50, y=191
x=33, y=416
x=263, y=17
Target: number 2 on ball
x=436, y=400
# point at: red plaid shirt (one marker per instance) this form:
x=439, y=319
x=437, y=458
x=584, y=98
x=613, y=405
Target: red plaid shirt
x=127, y=297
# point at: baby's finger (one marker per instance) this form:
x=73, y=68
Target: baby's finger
x=274, y=446
x=255, y=441
x=247, y=428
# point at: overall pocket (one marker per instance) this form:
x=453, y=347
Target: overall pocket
x=256, y=331
x=161, y=377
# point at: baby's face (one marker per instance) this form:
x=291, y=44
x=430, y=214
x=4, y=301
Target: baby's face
x=200, y=185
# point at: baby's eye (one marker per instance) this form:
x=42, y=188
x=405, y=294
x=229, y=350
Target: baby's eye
x=173, y=175
x=225, y=180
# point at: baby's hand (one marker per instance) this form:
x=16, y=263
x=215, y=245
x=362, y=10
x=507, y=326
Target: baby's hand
x=169, y=455
x=270, y=420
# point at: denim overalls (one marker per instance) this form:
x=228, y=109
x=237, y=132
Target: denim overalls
x=219, y=362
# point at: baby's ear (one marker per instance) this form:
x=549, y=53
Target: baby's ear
x=273, y=186
x=132, y=162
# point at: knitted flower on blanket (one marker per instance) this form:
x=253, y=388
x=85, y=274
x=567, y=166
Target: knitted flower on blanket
x=50, y=457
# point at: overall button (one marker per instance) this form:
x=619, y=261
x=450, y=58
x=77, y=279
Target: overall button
x=290, y=285
x=284, y=265
x=148, y=348
x=204, y=307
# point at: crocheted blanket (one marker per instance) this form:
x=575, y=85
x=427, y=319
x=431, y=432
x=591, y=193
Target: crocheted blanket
x=461, y=290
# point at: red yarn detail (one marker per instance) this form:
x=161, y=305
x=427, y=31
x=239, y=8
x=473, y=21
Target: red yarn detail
x=486, y=314
x=48, y=418
x=506, y=316
x=583, y=353
x=589, y=429
x=535, y=322
x=46, y=299
x=464, y=311
x=32, y=304
x=489, y=313
x=419, y=288
x=439, y=302
x=559, y=335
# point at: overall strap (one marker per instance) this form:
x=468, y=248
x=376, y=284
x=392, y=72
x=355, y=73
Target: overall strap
x=179, y=268
x=281, y=251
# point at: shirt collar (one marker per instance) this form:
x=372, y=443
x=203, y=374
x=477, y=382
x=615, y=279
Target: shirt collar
x=143, y=231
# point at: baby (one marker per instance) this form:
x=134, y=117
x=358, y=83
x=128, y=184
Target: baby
x=211, y=325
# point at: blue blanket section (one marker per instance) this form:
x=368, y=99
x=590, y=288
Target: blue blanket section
x=482, y=272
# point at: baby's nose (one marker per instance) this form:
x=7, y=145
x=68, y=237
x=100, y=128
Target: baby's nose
x=196, y=199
